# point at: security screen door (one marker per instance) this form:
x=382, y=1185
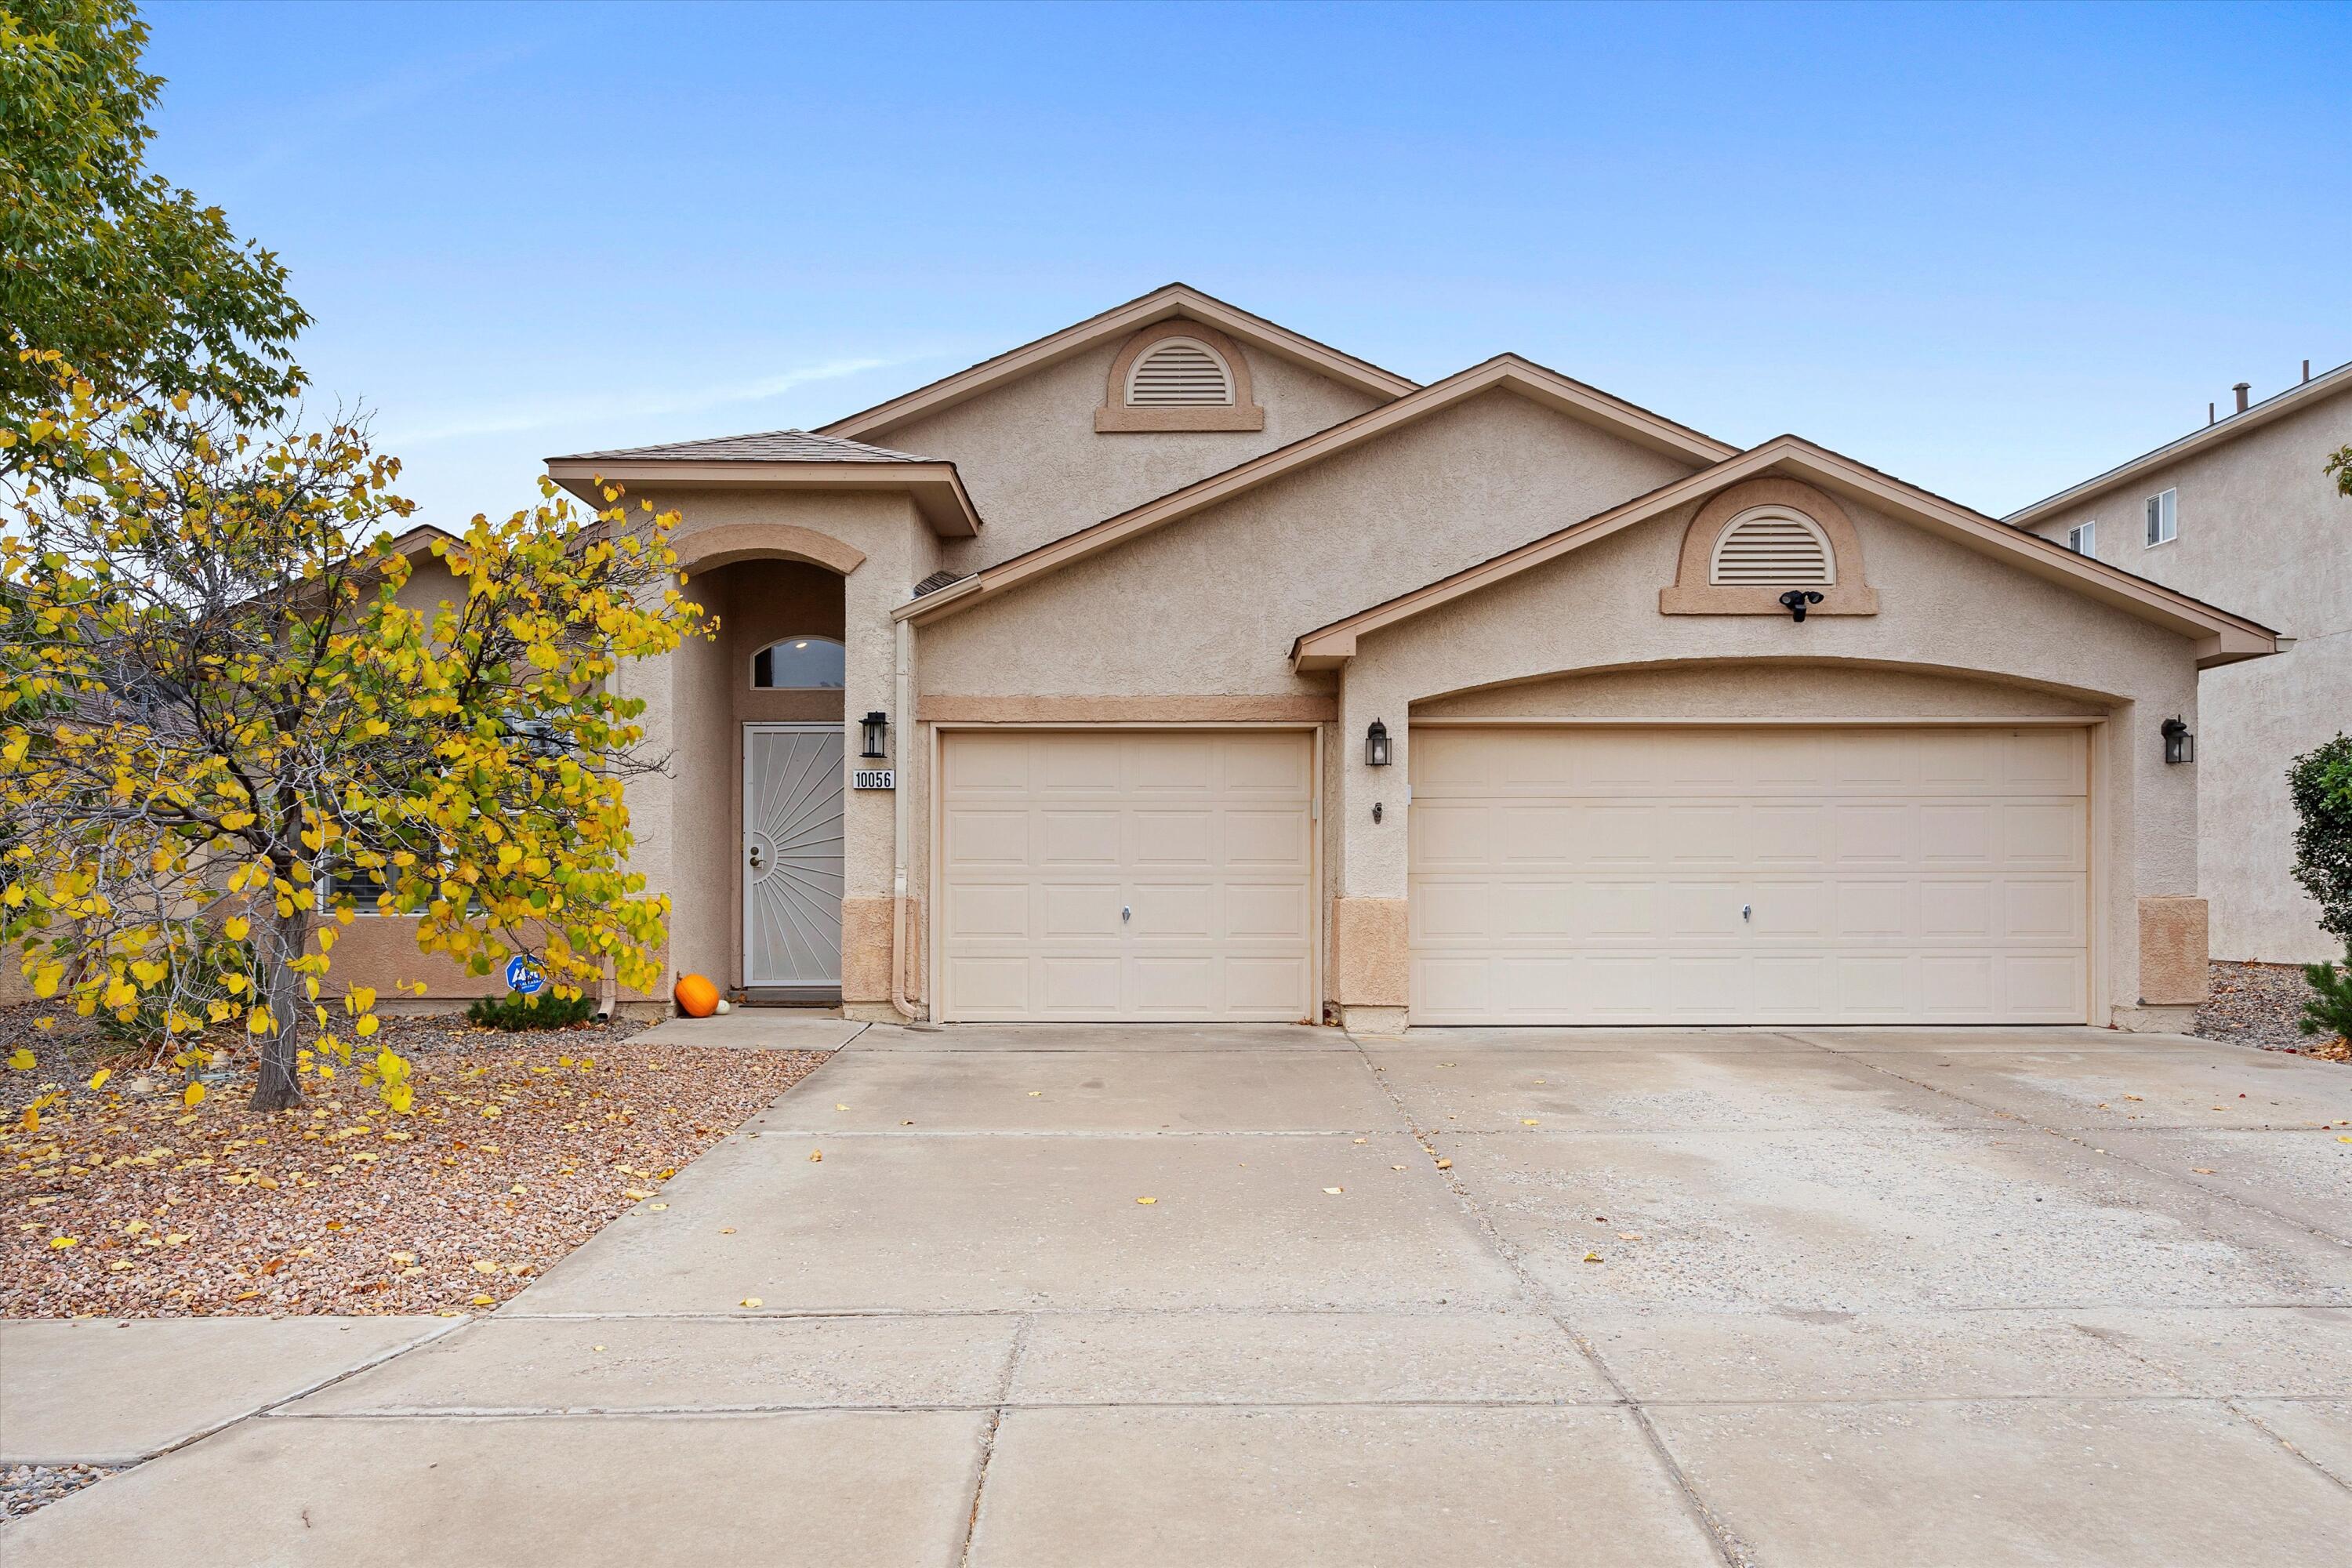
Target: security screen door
x=791, y=855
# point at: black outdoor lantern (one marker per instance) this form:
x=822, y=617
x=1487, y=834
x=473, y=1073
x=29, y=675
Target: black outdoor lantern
x=872, y=725
x=1376, y=745
x=2179, y=745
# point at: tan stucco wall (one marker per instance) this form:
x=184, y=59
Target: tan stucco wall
x=1947, y=614
x=1037, y=467
x=686, y=821
x=2261, y=533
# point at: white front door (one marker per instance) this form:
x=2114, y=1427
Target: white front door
x=791, y=855
x=1777, y=874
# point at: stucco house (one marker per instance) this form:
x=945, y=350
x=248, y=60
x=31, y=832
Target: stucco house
x=2243, y=513
x=1179, y=667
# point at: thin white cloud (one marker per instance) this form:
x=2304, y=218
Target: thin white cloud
x=541, y=415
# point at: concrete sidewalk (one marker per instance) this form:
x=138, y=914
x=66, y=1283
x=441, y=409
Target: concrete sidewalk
x=1504, y=1297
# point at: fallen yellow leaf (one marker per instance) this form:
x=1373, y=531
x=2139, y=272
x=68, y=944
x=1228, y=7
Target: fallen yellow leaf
x=193, y=1095
x=1592, y=1258
x=1335, y=1191
x=1147, y=1200
x=23, y=1060
x=1445, y=1165
x=656, y=1207
x=97, y=1079
x=485, y=1301
x=753, y=1301
x=484, y=1266
x=816, y=1155
x=59, y=1243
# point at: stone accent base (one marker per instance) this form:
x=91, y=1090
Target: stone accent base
x=1372, y=1020
x=2173, y=970
x=865, y=935
x=871, y=1013
x=1369, y=951
x=2146, y=1020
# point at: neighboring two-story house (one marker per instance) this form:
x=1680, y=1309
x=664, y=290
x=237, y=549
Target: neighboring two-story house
x=1179, y=667
x=2243, y=513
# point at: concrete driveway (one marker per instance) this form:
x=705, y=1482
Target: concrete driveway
x=1029, y=1298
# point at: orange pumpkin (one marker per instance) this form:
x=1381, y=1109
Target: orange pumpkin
x=697, y=997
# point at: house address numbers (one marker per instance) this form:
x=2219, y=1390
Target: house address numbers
x=874, y=778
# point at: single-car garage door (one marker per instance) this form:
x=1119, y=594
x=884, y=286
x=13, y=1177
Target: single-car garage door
x=1697, y=875
x=1142, y=875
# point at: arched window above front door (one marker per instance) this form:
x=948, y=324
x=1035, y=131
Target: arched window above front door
x=799, y=664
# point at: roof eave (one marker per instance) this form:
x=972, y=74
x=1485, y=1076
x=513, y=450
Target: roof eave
x=2219, y=637
x=935, y=487
x=1174, y=299
x=1571, y=398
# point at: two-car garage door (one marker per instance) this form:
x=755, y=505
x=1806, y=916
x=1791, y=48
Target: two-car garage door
x=1559, y=875
x=1573, y=875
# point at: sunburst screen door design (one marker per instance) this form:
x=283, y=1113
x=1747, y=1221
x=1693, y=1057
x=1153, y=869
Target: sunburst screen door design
x=791, y=855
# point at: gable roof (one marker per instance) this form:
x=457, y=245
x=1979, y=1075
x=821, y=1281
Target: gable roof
x=2220, y=637
x=2222, y=431
x=1170, y=300
x=1561, y=393
x=768, y=445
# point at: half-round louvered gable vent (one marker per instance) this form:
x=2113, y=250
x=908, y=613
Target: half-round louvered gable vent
x=1178, y=372
x=1771, y=548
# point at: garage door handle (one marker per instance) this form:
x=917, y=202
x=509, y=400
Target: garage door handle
x=1125, y=914
x=1746, y=910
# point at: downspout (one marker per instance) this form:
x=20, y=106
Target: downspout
x=902, y=829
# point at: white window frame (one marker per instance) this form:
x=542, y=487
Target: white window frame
x=2161, y=514
x=2083, y=539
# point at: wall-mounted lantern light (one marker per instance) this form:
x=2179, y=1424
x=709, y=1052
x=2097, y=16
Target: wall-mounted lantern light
x=872, y=725
x=2179, y=745
x=1376, y=745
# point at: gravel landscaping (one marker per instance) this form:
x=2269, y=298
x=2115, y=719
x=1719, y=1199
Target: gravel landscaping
x=2259, y=1004
x=24, y=1488
x=125, y=1201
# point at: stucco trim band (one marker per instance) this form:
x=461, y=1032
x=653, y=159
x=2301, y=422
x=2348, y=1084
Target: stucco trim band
x=1110, y=710
x=1690, y=593
x=2219, y=636
x=708, y=549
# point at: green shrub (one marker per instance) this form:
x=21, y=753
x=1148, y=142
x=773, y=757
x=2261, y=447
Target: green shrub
x=2320, y=783
x=2329, y=1009
x=544, y=1011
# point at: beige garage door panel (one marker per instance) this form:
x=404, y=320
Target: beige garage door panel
x=1568, y=875
x=1205, y=836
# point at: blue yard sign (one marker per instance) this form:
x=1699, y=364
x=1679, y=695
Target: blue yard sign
x=523, y=975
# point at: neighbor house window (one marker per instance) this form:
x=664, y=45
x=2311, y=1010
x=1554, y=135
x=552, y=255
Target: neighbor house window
x=2083, y=539
x=2164, y=517
x=799, y=664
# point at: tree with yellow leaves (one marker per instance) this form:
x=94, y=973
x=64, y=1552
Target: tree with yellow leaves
x=221, y=728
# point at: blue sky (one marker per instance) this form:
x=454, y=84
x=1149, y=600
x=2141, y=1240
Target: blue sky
x=1990, y=249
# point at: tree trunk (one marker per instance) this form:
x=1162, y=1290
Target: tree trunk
x=277, y=1085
